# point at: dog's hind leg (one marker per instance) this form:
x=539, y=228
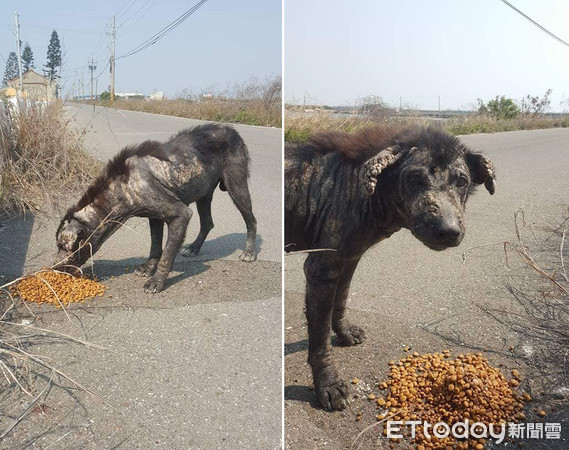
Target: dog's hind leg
x=347, y=334
x=236, y=185
x=156, y=234
x=179, y=217
x=206, y=225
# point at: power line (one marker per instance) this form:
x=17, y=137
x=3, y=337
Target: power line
x=120, y=10
x=545, y=30
x=102, y=71
x=126, y=10
x=69, y=30
x=137, y=20
x=135, y=13
x=164, y=31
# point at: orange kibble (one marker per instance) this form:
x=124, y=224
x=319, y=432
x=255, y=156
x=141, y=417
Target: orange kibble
x=436, y=388
x=57, y=288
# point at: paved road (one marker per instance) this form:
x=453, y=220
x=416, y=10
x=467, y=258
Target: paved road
x=400, y=286
x=196, y=366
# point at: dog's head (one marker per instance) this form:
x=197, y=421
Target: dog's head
x=71, y=238
x=432, y=174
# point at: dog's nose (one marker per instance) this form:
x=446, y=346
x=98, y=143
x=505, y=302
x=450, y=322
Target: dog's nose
x=449, y=233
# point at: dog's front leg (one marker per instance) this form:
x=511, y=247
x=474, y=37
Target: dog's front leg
x=176, y=233
x=156, y=234
x=322, y=273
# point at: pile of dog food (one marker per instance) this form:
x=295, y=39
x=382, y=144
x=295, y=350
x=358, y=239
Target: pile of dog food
x=435, y=388
x=57, y=288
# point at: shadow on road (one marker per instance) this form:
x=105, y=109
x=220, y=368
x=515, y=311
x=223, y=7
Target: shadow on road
x=300, y=393
x=225, y=245
x=15, y=235
x=214, y=249
x=295, y=347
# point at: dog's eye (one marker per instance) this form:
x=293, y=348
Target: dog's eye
x=462, y=182
x=417, y=178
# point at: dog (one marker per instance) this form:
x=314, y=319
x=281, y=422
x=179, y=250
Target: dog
x=158, y=181
x=346, y=193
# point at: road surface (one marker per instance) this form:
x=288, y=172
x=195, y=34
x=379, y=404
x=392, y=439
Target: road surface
x=404, y=294
x=196, y=366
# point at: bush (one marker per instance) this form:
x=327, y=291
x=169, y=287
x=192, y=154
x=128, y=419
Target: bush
x=499, y=108
x=41, y=158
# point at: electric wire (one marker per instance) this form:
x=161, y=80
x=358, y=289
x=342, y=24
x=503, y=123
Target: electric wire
x=542, y=28
x=164, y=31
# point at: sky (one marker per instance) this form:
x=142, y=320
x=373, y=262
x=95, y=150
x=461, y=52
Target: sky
x=223, y=43
x=413, y=51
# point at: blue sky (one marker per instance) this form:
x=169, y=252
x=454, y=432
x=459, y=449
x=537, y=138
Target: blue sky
x=223, y=43
x=339, y=51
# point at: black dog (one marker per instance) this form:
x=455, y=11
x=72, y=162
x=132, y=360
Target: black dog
x=348, y=192
x=159, y=181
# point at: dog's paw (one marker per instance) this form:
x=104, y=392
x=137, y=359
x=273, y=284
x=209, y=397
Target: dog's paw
x=190, y=251
x=154, y=284
x=145, y=270
x=351, y=335
x=332, y=392
x=248, y=256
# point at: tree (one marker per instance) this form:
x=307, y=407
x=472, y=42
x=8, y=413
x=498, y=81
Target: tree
x=27, y=58
x=53, y=56
x=500, y=108
x=105, y=96
x=12, y=69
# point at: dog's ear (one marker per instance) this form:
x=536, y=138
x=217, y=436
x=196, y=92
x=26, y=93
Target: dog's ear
x=375, y=165
x=481, y=171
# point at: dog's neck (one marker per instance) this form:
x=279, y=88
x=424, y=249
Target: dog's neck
x=104, y=215
x=384, y=216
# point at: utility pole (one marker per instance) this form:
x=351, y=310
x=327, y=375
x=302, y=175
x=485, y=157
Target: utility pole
x=82, y=85
x=439, y=105
x=92, y=68
x=113, y=34
x=18, y=45
x=75, y=86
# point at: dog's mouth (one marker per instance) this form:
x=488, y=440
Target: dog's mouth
x=438, y=247
x=437, y=240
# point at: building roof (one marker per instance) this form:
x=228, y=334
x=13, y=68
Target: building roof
x=27, y=72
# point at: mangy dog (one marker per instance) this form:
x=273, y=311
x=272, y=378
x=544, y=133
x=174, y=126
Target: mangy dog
x=158, y=181
x=349, y=192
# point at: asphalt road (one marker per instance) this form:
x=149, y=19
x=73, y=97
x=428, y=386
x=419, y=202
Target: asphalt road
x=404, y=294
x=196, y=366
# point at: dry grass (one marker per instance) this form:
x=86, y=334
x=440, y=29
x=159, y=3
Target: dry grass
x=253, y=103
x=40, y=157
x=22, y=369
x=539, y=286
x=485, y=124
x=300, y=125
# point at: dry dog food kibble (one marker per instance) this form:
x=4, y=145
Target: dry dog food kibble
x=57, y=288
x=435, y=388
